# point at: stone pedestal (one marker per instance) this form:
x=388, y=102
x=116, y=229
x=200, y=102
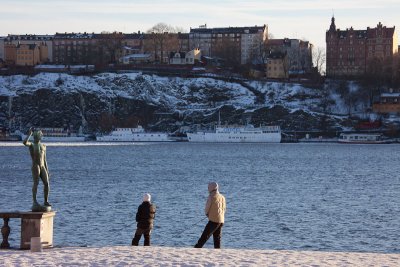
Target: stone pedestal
x=37, y=224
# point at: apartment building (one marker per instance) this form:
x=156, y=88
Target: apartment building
x=28, y=55
x=299, y=53
x=43, y=41
x=277, y=66
x=2, y=48
x=132, y=43
x=238, y=44
x=350, y=51
x=74, y=48
x=25, y=54
x=183, y=41
x=10, y=54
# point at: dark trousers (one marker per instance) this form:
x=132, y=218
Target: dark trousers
x=138, y=234
x=214, y=229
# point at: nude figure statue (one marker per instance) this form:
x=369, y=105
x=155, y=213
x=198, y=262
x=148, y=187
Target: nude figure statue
x=39, y=168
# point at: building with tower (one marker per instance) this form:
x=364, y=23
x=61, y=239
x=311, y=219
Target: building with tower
x=349, y=52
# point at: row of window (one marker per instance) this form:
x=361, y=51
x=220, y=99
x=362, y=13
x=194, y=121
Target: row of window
x=19, y=52
x=350, y=62
x=226, y=35
x=24, y=58
x=351, y=42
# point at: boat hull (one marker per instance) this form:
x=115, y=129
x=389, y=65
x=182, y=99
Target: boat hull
x=204, y=137
x=364, y=142
x=135, y=138
x=60, y=138
x=10, y=138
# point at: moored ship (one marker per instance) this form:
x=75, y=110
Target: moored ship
x=137, y=134
x=362, y=138
x=5, y=135
x=51, y=134
x=238, y=134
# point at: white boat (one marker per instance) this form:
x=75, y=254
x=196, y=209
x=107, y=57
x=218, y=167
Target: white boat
x=241, y=134
x=137, y=134
x=59, y=135
x=362, y=138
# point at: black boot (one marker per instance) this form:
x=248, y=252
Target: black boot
x=135, y=240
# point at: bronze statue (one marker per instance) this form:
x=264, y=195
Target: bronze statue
x=39, y=168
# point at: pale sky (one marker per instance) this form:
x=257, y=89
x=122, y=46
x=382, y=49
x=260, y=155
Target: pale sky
x=302, y=19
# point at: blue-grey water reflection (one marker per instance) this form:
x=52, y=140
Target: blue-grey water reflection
x=279, y=196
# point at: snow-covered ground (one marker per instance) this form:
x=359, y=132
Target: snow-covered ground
x=165, y=256
x=176, y=93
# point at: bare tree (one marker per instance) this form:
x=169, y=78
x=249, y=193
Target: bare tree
x=229, y=51
x=180, y=29
x=110, y=46
x=319, y=59
x=161, y=37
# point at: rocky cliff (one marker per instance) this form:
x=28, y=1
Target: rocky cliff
x=98, y=103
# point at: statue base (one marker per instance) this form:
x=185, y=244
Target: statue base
x=33, y=224
x=37, y=224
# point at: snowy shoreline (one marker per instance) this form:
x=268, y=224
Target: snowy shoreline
x=169, y=256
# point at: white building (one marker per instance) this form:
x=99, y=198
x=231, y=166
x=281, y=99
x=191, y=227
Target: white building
x=185, y=58
x=246, y=42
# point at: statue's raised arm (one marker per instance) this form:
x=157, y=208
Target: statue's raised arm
x=26, y=140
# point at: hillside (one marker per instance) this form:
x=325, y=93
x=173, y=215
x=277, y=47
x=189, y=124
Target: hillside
x=98, y=103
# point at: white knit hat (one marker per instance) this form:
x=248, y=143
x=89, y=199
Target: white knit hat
x=212, y=186
x=147, y=197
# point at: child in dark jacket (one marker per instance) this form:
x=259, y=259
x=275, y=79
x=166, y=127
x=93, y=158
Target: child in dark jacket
x=144, y=218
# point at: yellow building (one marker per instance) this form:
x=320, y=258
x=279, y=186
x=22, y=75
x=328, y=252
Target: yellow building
x=28, y=55
x=25, y=54
x=277, y=66
x=45, y=43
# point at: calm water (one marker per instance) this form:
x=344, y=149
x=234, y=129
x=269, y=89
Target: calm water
x=279, y=196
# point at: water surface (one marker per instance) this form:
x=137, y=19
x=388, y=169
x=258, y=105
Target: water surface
x=279, y=196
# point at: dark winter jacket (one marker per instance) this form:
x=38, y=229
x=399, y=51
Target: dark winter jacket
x=145, y=215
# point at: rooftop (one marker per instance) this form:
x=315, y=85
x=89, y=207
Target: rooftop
x=251, y=29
